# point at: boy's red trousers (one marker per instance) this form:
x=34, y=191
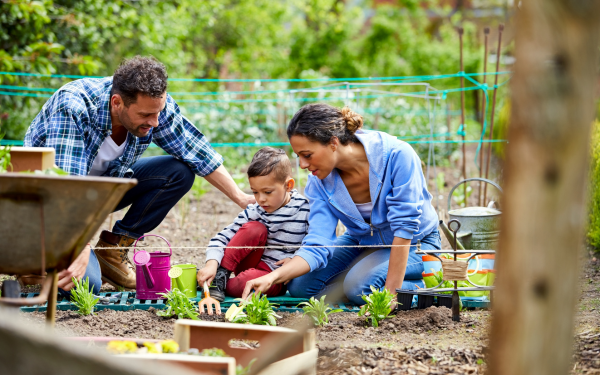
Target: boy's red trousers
x=246, y=263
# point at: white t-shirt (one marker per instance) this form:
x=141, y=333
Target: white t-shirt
x=365, y=209
x=108, y=152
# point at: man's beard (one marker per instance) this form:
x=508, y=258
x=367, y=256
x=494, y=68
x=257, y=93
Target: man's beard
x=126, y=122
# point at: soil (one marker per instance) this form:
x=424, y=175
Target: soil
x=412, y=342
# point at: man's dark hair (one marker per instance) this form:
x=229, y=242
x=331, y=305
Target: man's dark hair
x=139, y=75
x=270, y=160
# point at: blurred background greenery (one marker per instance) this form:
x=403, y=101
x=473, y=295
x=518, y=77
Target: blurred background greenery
x=256, y=40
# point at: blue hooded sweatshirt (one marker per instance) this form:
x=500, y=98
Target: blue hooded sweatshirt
x=401, y=203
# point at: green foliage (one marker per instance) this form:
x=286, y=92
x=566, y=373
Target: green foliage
x=256, y=310
x=378, y=305
x=318, y=311
x=4, y=157
x=178, y=304
x=82, y=297
x=593, y=230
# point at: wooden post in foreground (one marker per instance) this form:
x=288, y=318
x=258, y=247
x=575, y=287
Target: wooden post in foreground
x=546, y=171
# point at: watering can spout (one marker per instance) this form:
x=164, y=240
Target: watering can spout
x=449, y=235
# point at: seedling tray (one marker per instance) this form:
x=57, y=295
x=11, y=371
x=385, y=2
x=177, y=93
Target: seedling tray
x=128, y=301
x=425, y=300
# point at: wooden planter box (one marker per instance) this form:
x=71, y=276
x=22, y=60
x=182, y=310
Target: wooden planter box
x=204, y=365
x=31, y=158
x=300, y=358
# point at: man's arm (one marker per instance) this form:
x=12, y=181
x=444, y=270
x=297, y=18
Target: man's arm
x=222, y=180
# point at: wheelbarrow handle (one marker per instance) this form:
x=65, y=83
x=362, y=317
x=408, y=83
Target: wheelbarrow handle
x=467, y=180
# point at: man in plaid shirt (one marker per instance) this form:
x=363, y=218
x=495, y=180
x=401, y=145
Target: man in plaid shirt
x=101, y=127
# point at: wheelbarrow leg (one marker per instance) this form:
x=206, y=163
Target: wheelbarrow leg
x=51, y=306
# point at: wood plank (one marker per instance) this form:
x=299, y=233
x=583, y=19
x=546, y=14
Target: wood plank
x=204, y=365
x=205, y=335
x=304, y=363
x=31, y=158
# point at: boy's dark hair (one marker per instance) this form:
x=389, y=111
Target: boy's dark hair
x=139, y=75
x=270, y=160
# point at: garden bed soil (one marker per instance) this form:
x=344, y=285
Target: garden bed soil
x=412, y=342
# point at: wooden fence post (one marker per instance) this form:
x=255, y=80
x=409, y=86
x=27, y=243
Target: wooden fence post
x=546, y=170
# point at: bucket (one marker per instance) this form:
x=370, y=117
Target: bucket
x=152, y=271
x=479, y=226
x=187, y=281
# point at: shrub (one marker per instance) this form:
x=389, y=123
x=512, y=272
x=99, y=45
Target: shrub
x=82, y=297
x=593, y=231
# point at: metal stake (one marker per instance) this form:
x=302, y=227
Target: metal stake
x=454, y=226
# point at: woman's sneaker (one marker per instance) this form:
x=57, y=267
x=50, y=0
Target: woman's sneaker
x=219, y=283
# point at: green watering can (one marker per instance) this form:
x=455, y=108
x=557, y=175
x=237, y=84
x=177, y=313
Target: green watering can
x=183, y=277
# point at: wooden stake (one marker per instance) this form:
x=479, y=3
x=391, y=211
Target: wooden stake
x=486, y=33
x=489, y=153
x=546, y=172
x=462, y=111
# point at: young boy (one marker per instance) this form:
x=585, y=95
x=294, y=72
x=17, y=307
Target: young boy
x=278, y=218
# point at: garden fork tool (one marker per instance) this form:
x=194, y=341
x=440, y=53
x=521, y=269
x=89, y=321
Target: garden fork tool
x=208, y=302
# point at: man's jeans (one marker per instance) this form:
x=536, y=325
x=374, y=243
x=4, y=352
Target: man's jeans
x=356, y=269
x=162, y=182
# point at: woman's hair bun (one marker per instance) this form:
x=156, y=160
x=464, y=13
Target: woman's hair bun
x=353, y=120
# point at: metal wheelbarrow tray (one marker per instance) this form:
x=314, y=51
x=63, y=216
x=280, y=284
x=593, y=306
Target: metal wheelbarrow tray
x=46, y=221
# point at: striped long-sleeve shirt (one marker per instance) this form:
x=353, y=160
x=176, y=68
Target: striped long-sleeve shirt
x=287, y=226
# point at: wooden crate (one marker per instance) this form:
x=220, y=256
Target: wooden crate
x=204, y=365
x=205, y=335
x=31, y=158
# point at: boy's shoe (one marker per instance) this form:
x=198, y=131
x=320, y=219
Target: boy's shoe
x=217, y=287
x=115, y=265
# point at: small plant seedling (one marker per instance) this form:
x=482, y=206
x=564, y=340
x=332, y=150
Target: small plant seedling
x=257, y=310
x=318, y=311
x=378, y=305
x=178, y=304
x=82, y=297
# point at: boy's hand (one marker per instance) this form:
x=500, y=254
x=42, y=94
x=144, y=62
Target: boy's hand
x=208, y=272
x=283, y=261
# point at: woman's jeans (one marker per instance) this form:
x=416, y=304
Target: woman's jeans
x=356, y=269
x=162, y=182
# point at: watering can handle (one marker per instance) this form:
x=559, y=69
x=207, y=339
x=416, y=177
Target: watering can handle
x=153, y=235
x=467, y=180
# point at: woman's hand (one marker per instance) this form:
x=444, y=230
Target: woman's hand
x=208, y=272
x=260, y=285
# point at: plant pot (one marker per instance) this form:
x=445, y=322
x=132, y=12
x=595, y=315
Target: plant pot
x=424, y=301
x=405, y=298
x=444, y=300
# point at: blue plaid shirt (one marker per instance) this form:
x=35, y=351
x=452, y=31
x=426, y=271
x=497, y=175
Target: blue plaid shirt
x=76, y=120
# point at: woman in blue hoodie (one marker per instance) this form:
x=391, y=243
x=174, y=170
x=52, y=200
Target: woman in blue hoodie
x=371, y=182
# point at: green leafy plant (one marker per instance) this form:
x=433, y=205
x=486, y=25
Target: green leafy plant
x=256, y=310
x=378, y=305
x=178, y=304
x=82, y=297
x=318, y=310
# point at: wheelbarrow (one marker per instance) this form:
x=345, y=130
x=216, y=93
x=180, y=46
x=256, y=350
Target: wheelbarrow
x=45, y=223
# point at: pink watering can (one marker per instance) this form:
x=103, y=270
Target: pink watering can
x=152, y=271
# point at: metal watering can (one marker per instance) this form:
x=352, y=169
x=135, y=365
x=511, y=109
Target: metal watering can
x=152, y=271
x=479, y=226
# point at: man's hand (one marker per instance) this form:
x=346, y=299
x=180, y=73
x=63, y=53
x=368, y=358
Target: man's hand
x=260, y=285
x=208, y=272
x=76, y=270
x=245, y=200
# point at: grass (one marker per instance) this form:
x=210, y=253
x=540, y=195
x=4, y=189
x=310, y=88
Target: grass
x=318, y=311
x=178, y=304
x=256, y=310
x=82, y=297
x=378, y=305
